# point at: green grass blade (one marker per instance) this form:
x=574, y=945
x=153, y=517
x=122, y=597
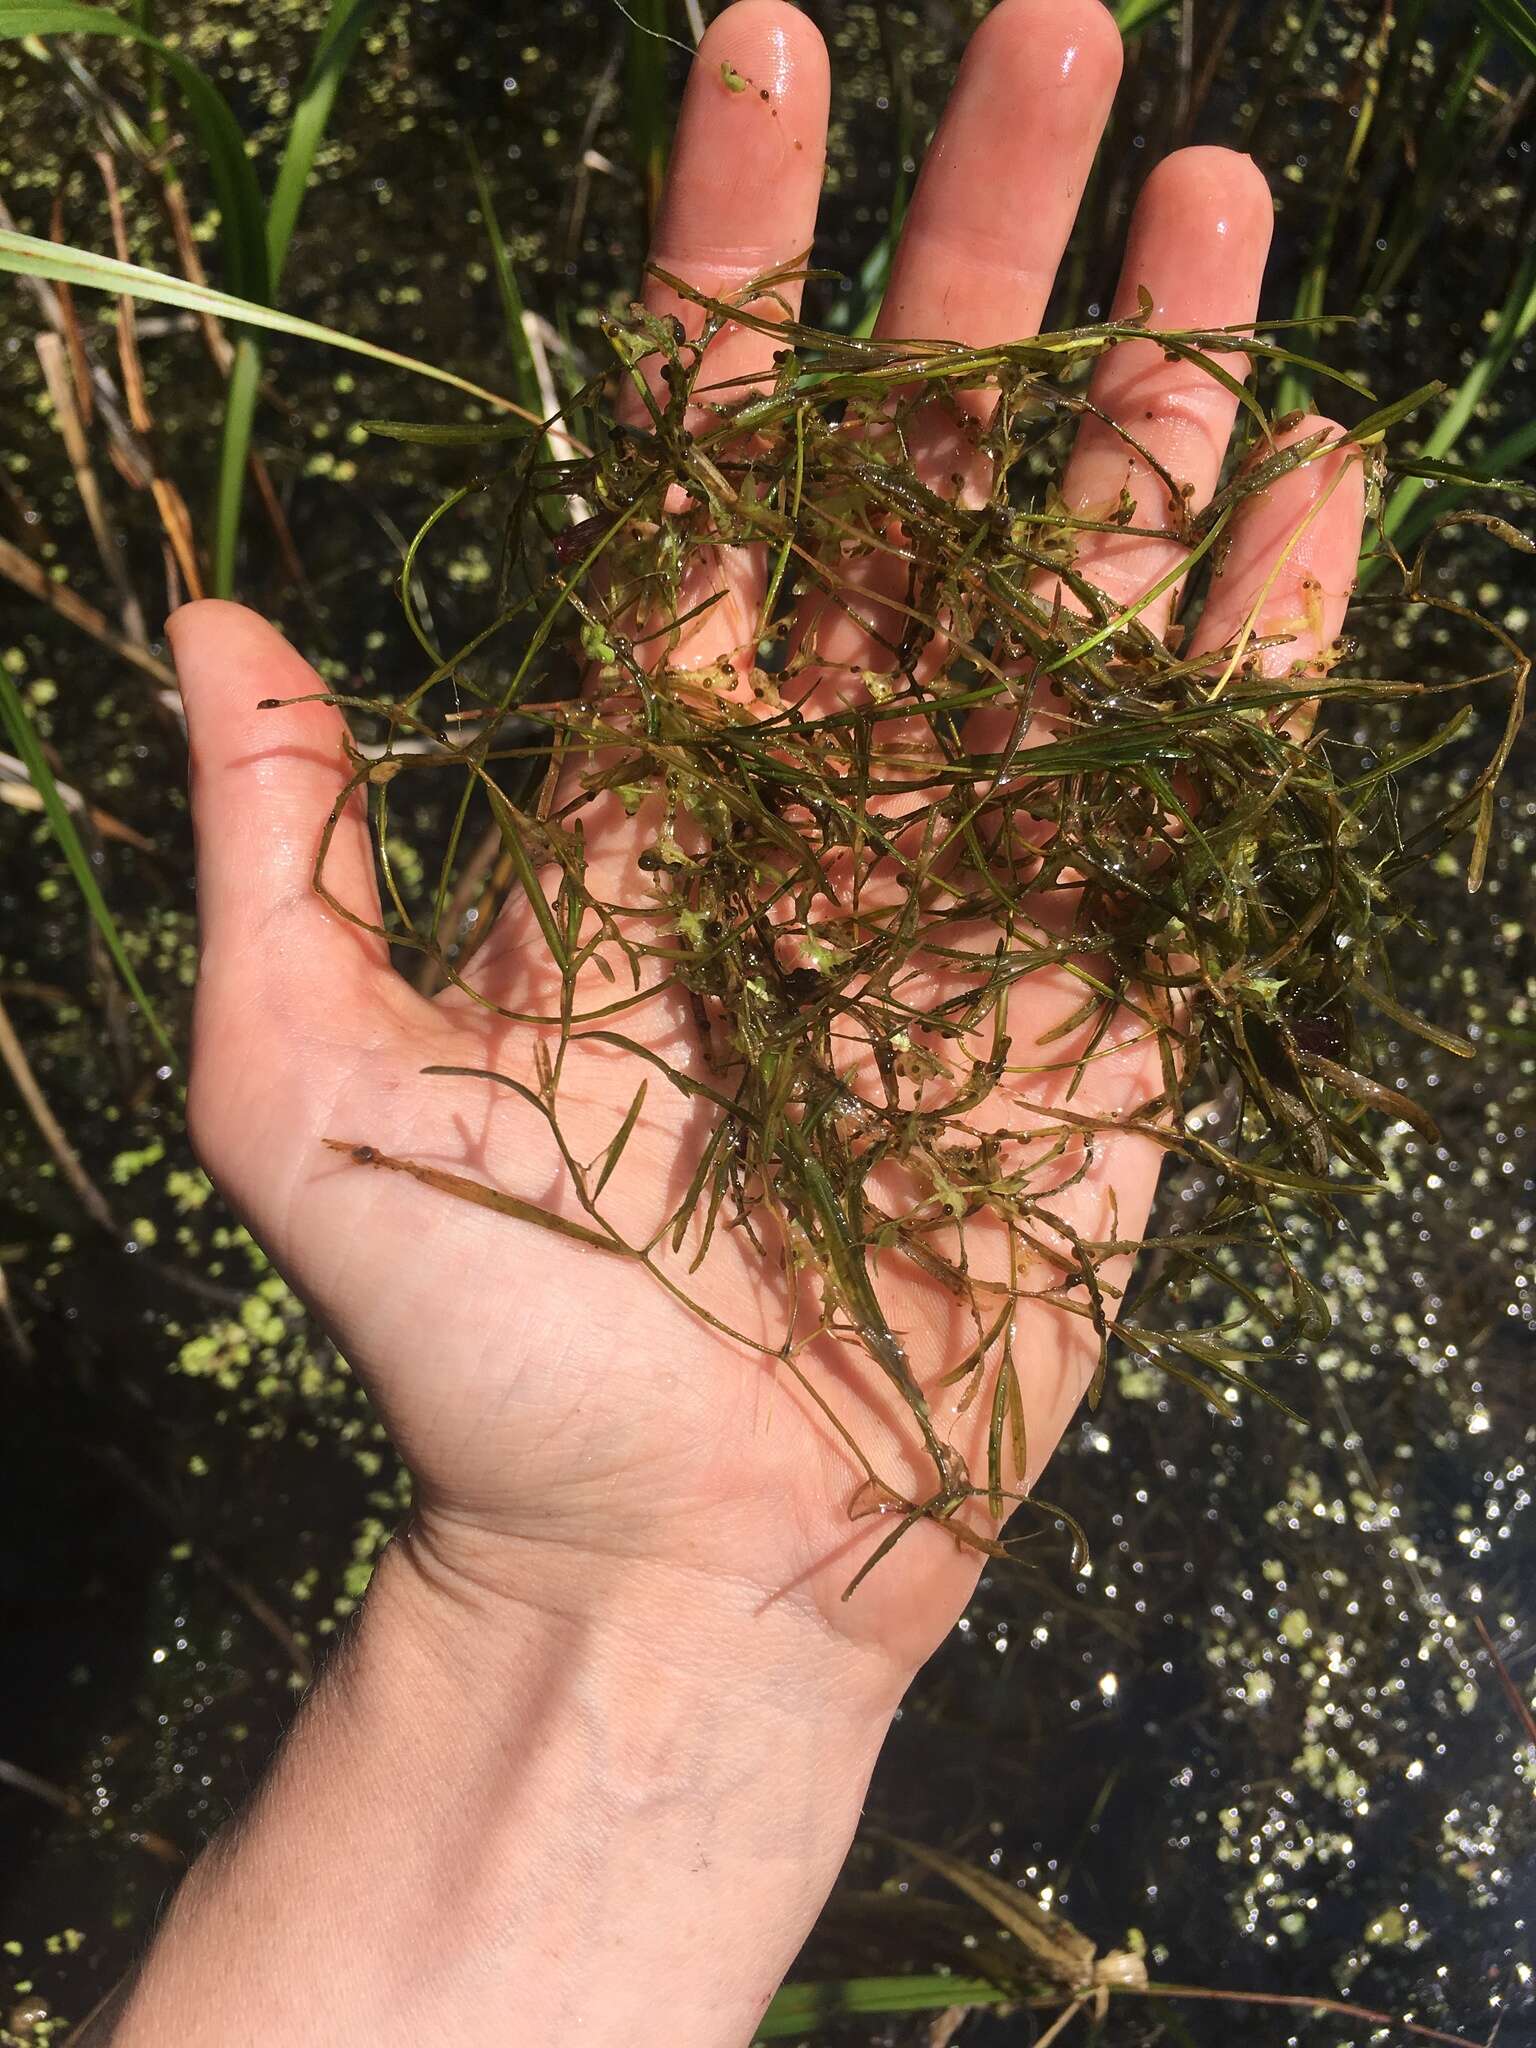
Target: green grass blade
x=1515, y=21
x=1295, y=389
x=234, y=453
x=460, y=434
x=524, y=376
x=1490, y=472
x=799, y=2008
x=156, y=125
x=1443, y=159
x=1135, y=15
x=338, y=43
x=23, y=738
x=242, y=228
x=1295, y=393
x=649, y=114
x=31, y=256
x=1515, y=322
x=255, y=238
x=859, y=312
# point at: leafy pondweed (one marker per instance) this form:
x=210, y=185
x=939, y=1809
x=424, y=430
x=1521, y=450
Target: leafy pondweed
x=846, y=878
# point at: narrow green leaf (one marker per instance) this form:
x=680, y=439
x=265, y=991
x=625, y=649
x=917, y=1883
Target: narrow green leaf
x=1436, y=1034
x=13, y=715
x=156, y=126
x=621, y=1139
x=1516, y=318
x=1361, y=1088
x=649, y=120
x=243, y=216
x=1135, y=15
x=516, y=851
x=459, y=435
x=800, y=2008
x=524, y=376
x=1515, y=21
x=477, y=1191
x=234, y=451
x=338, y=41
x=29, y=256
x=1453, y=482
x=1385, y=416
x=1470, y=477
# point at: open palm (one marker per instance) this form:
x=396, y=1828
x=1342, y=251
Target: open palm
x=546, y=1395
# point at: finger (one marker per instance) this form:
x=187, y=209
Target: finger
x=978, y=254
x=739, y=203
x=1290, y=566
x=277, y=965
x=1004, y=175
x=1289, y=572
x=1197, y=247
x=743, y=183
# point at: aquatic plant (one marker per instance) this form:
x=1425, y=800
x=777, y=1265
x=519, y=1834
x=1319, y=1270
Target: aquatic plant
x=852, y=876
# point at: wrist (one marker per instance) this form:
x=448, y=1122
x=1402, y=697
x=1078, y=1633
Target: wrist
x=686, y=1756
x=670, y=1625
x=577, y=1790
x=660, y=1772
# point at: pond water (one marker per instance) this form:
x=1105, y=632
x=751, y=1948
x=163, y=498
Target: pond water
x=1265, y=1731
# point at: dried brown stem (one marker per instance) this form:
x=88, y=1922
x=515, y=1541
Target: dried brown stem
x=1512, y=1691
x=1289, y=2001
x=175, y=520
x=22, y=1780
x=14, y=1058
x=29, y=576
x=62, y=391
x=21, y=1343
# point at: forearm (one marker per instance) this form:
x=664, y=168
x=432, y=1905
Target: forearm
x=493, y=1808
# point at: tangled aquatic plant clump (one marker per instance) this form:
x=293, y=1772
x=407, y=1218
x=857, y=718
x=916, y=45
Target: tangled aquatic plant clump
x=1026, y=762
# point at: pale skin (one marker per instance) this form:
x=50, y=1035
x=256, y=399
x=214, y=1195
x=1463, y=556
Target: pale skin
x=597, y=1746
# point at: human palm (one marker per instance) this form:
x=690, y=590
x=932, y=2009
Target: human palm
x=552, y=1397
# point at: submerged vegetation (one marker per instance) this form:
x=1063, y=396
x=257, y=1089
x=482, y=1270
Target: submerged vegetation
x=855, y=874
x=1260, y=1743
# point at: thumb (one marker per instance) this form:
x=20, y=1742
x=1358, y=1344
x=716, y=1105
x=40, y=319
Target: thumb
x=284, y=980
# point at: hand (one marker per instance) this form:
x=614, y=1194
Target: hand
x=597, y=1746
x=562, y=1415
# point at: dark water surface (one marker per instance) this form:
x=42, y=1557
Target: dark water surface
x=1264, y=1732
